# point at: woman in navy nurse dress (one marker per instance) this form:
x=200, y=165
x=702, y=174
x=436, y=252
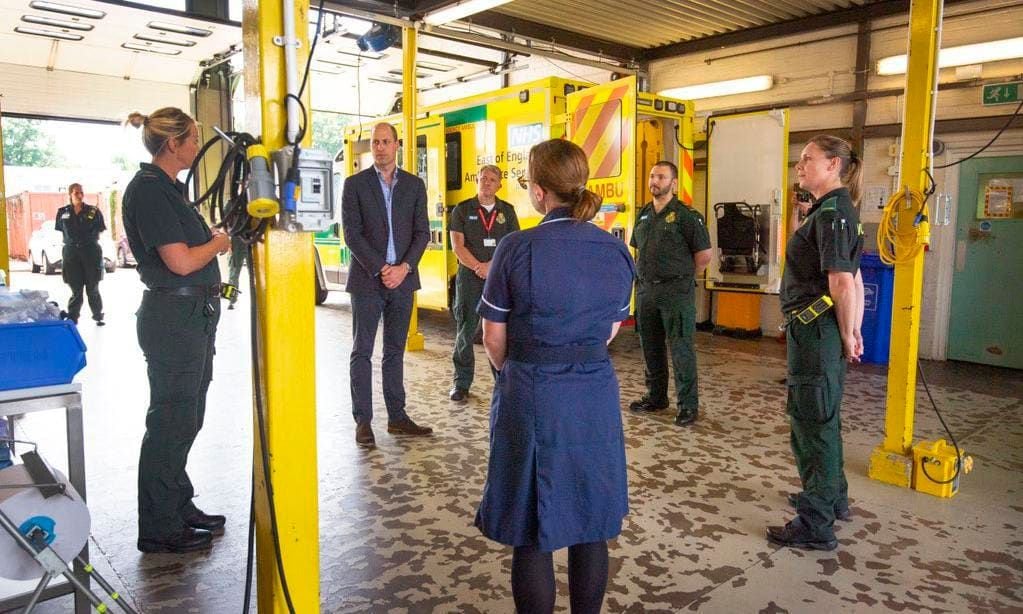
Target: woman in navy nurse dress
x=553, y=299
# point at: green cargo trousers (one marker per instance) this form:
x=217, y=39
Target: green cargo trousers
x=816, y=375
x=468, y=290
x=176, y=334
x=666, y=313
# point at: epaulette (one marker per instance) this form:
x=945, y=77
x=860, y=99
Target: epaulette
x=831, y=204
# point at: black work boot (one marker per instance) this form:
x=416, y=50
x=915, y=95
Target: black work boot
x=646, y=404
x=795, y=535
x=685, y=416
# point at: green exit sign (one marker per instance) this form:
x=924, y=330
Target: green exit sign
x=1002, y=93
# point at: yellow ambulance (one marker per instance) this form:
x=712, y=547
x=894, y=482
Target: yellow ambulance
x=623, y=131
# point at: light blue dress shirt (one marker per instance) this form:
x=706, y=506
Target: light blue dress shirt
x=392, y=256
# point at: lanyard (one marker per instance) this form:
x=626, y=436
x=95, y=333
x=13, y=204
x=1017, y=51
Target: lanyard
x=487, y=224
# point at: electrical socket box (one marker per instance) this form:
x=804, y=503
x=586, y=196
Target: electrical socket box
x=314, y=208
x=874, y=199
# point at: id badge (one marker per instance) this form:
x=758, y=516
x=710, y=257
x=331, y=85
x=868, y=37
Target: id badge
x=489, y=242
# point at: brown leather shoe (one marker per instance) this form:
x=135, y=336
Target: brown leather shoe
x=364, y=435
x=408, y=427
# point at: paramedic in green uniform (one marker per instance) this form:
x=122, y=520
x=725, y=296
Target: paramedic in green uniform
x=821, y=259
x=177, y=324
x=674, y=249
x=476, y=225
x=82, y=258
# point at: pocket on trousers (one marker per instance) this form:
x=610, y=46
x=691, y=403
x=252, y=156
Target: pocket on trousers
x=808, y=398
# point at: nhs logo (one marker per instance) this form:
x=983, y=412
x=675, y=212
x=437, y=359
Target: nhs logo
x=869, y=297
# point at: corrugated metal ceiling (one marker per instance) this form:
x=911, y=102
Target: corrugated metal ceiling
x=648, y=24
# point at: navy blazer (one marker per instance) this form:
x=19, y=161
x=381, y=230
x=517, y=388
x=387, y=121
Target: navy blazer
x=364, y=224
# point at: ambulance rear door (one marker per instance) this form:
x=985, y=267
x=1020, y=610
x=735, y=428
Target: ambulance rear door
x=747, y=175
x=602, y=120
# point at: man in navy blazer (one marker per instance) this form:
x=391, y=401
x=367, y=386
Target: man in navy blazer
x=385, y=224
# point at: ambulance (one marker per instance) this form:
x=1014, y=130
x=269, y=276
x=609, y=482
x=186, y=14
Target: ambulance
x=622, y=130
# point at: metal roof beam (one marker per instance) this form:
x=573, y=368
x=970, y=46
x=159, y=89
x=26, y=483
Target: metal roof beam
x=874, y=10
x=531, y=29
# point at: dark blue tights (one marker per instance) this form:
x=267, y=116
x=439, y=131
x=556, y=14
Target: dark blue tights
x=533, y=579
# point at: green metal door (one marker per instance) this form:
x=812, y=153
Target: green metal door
x=987, y=316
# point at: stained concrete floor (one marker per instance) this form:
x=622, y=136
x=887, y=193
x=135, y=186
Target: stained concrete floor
x=396, y=530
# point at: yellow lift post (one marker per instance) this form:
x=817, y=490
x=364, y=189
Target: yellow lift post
x=892, y=461
x=284, y=274
x=5, y=262
x=409, y=105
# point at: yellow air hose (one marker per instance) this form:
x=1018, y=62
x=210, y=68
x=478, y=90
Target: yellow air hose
x=896, y=246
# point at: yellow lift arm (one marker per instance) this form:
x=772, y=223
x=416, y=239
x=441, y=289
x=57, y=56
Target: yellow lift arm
x=284, y=274
x=892, y=461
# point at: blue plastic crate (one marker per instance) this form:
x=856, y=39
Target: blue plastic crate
x=878, y=288
x=39, y=354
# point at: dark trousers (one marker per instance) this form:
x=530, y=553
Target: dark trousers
x=239, y=256
x=666, y=315
x=367, y=308
x=816, y=376
x=468, y=290
x=176, y=334
x=82, y=268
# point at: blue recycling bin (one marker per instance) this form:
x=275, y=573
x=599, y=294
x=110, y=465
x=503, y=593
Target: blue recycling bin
x=39, y=354
x=878, y=287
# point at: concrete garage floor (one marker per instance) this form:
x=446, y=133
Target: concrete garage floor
x=396, y=522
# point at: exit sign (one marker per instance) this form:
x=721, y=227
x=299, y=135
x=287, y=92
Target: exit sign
x=1002, y=93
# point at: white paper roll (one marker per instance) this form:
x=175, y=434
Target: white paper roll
x=68, y=516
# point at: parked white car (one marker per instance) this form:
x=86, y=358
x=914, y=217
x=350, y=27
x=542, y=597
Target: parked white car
x=46, y=246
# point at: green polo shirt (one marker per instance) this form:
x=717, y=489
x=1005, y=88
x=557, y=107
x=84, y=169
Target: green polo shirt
x=829, y=239
x=471, y=219
x=667, y=241
x=156, y=213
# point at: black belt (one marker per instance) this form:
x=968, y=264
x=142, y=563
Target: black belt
x=563, y=354
x=666, y=280
x=199, y=291
x=90, y=244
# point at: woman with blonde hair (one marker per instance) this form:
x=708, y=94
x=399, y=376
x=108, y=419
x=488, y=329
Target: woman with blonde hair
x=822, y=298
x=554, y=298
x=177, y=325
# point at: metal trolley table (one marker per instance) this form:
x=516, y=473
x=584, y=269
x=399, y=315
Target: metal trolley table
x=69, y=398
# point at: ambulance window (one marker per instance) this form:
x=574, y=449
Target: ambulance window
x=453, y=159
x=421, y=165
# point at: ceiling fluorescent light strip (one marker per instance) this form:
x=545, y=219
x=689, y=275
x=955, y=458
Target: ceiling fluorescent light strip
x=64, y=36
x=334, y=63
x=67, y=9
x=57, y=23
x=435, y=66
x=460, y=11
x=730, y=87
x=165, y=26
x=150, y=49
x=398, y=72
x=962, y=55
x=166, y=40
x=371, y=55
